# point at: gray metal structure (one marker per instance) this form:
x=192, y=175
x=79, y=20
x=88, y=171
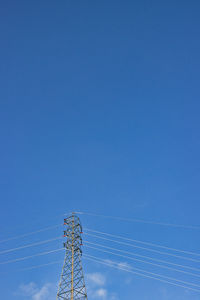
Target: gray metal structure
x=72, y=284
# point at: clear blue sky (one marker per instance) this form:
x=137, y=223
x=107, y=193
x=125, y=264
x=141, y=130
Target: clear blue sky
x=99, y=112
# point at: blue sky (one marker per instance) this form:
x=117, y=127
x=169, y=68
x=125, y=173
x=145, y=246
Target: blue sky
x=99, y=112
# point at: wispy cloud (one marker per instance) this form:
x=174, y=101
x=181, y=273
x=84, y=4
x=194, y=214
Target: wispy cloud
x=97, y=287
x=42, y=293
x=34, y=292
x=96, y=278
x=101, y=293
x=120, y=265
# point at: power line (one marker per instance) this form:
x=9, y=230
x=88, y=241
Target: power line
x=29, y=245
x=143, y=261
x=144, y=248
x=33, y=267
x=109, y=217
x=30, y=233
x=148, y=257
x=100, y=261
x=144, y=243
x=37, y=231
x=141, y=221
x=126, y=252
x=30, y=256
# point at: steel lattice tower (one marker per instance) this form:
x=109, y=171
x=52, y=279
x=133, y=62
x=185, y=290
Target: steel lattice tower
x=72, y=284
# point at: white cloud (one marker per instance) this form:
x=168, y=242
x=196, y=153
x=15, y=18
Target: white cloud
x=33, y=292
x=101, y=293
x=43, y=293
x=123, y=265
x=109, y=261
x=97, y=287
x=96, y=278
x=28, y=289
x=119, y=265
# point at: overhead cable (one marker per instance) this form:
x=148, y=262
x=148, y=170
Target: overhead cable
x=140, y=260
x=30, y=256
x=33, y=267
x=120, y=267
x=142, y=242
x=144, y=256
x=140, y=221
x=30, y=233
x=30, y=245
x=144, y=248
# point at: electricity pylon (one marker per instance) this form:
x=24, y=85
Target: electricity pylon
x=72, y=284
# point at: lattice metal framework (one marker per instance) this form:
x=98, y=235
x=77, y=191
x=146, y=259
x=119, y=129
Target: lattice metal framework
x=72, y=284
